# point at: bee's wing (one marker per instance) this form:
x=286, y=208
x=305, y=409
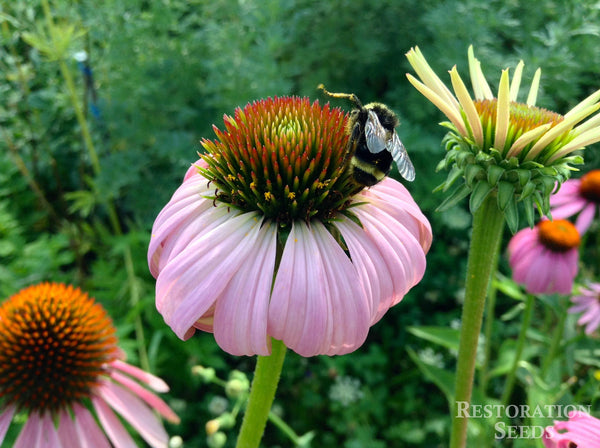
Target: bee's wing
x=375, y=134
x=400, y=156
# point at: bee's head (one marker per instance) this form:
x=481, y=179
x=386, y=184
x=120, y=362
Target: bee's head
x=387, y=117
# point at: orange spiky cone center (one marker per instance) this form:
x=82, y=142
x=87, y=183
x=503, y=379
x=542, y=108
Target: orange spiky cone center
x=54, y=343
x=558, y=235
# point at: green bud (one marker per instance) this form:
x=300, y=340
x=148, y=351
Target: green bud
x=216, y=440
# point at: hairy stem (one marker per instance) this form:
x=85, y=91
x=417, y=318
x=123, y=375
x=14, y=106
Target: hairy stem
x=488, y=223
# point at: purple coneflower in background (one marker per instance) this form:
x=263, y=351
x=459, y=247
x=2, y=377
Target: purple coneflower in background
x=578, y=196
x=270, y=236
x=587, y=301
x=544, y=258
x=60, y=365
x=580, y=431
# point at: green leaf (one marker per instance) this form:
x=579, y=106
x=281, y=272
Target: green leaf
x=443, y=379
x=508, y=287
x=444, y=336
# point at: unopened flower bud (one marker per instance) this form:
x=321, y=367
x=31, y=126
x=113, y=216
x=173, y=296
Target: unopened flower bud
x=216, y=440
x=206, y=373
x=234, y=388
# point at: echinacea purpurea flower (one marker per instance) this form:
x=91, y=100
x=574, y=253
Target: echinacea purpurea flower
x=544, y=258
x=587, y=301
x=579, y=197
x=270, y=237
x=580, y=431
x=60, y=365
x=497, y=145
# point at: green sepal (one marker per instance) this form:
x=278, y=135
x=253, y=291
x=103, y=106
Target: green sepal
x=511, y=214
x=528, y=190
x=506, y=191
x=454, y=198
x=524, y=177
x=464, y=158
x=484, y=158
x=480, y=192
x=494, y=174
x=529, y=209
x=473, y=173
x=455, y=174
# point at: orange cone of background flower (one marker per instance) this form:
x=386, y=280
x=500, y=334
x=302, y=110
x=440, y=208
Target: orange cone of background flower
x=269, y=236
x=60, y=365
x=544, y=258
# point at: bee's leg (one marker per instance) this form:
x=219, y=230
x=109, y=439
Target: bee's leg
x=352, y=143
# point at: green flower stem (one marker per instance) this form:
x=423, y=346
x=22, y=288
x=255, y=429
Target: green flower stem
x=284, y=427
x=262, y=393
x=555, y=343
x=112, y=213
x=487, y=332
x=488, y=223
x=510, y=379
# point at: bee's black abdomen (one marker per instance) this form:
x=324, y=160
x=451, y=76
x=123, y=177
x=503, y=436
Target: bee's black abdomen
x=368, y=168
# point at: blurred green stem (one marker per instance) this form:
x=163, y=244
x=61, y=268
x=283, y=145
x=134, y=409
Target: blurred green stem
x=112, y=212
x=487, y=332
x=262, y=393
x=510, y=379
x=488, y=223
x=556, y=340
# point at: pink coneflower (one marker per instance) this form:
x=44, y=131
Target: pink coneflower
x=60, y=365
x=588, y=302
x=544, y=258
x=580, y=431
x=269, y=236
x=578, y=196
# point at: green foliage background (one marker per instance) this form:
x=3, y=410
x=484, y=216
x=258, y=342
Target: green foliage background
x=164, y=72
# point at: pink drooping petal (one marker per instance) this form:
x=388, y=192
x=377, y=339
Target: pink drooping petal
x=31, y=433
x=49, y=437
x=372, y=269
x=191, y=282
x=5, y=420
x=150, y=398
x=585, y=218
x=401, y=251
x=568, y=209
x=152, y=381
x=538, y=278
x=581, y=429
x=135, y=412
x=89, y=433
x=118, y=435
x=241, y=312
x=193, y=169
x=395, y=199
x=564, y=271
x=349, y=316
x=186, y=208
x=67, y=432
x=317, y=306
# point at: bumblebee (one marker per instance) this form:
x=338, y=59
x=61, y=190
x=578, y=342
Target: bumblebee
x=373, y=142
